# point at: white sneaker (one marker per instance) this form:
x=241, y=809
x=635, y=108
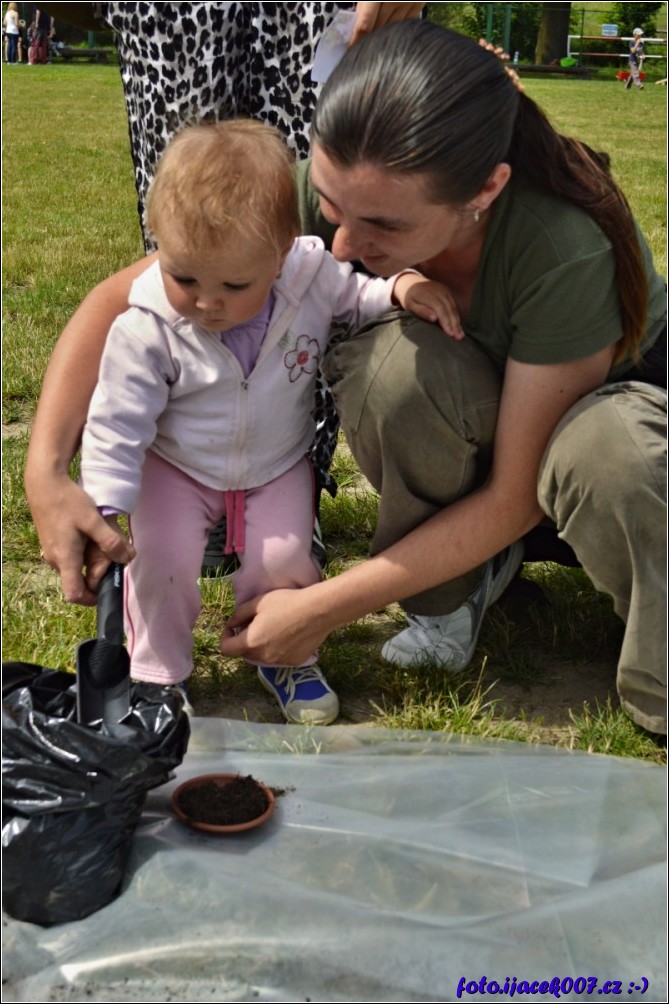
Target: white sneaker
x=449, y=641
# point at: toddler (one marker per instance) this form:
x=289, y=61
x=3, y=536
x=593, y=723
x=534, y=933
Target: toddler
x=204, y=399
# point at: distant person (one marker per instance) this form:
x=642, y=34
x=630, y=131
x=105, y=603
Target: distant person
x=23, y=47
x=12, y=33
x=40, y=32
x=636, y=58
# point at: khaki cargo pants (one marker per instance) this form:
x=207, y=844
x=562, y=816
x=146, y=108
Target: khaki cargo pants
x=419, y=413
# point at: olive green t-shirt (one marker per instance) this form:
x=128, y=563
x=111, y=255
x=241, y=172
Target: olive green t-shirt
x=545, y=290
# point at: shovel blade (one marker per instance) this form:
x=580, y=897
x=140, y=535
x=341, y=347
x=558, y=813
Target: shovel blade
x=103, y=664
x=107, y=702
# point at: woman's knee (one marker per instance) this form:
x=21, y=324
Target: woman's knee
x=400, y=372
x=610, y=449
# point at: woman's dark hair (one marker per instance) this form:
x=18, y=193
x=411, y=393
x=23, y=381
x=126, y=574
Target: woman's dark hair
x=417, y=98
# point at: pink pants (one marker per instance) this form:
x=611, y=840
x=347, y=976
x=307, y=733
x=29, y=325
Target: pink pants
x=169, y=530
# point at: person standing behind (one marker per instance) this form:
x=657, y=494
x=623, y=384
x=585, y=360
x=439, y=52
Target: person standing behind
x=23, y=41
x=188, y=63
x=636, y=58
x=12, y=33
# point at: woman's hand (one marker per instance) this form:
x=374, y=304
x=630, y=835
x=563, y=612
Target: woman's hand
x=277, y=629
x=76, y=541
x=370, y=16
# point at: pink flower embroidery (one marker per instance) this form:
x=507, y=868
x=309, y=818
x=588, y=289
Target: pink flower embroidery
x=304, y=358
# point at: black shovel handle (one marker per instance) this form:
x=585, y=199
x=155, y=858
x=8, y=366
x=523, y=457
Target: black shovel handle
x=105, y=662
x=110, y=605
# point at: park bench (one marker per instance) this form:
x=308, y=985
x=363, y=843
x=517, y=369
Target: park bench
x=68, y=52
x=551, y=68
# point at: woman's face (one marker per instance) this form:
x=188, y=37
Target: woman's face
x=384, y=220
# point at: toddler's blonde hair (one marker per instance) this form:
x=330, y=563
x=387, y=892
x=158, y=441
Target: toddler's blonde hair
x=217, y=181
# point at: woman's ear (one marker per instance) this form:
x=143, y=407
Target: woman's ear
x=493, y=187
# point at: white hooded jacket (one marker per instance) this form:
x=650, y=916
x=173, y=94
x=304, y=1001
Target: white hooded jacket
x=168, y=385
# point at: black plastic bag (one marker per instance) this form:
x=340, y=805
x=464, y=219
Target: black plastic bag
x=73, y=794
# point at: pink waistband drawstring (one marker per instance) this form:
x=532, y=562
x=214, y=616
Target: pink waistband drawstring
x=235, y=524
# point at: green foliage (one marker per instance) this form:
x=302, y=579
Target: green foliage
x=476, y=20
x=629, y=16
x=492, y=21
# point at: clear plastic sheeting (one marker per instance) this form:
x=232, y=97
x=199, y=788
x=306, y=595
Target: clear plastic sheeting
x=396, y=866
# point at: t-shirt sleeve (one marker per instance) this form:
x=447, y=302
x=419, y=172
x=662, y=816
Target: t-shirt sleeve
x=562, y=299
x=568, y=312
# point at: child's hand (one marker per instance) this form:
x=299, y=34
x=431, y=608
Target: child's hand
x=431, y=301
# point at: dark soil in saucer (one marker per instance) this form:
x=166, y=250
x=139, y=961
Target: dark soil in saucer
x=236, y=802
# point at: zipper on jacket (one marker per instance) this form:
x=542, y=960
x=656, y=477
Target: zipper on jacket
x=241, y=444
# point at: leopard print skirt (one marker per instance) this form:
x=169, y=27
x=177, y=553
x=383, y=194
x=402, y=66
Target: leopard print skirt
x=184, y=63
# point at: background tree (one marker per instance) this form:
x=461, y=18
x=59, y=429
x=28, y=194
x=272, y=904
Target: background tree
x=629, y=16
x=553, y=31
x=494, y=20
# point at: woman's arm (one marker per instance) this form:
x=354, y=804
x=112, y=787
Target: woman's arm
x=64, y=516
x=283, y=627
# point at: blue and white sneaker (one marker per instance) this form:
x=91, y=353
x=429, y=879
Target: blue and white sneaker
x=303, y=694
x=449, y=641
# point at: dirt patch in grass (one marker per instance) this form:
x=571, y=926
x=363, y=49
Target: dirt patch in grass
x=563, y=688
x=545, y=704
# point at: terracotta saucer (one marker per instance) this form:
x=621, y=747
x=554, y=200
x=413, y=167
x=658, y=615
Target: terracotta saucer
x=221, y=781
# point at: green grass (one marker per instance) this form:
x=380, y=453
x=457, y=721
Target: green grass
x=70, y=214
x=70, y=220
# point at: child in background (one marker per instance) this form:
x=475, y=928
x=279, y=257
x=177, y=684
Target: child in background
x=635, y=59
x=204, y=400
